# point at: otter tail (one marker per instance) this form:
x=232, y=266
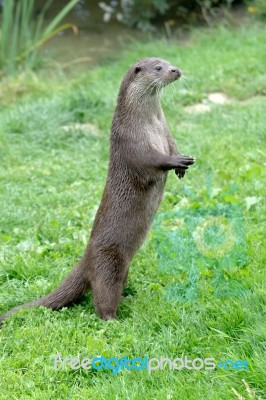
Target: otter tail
x=70, y=291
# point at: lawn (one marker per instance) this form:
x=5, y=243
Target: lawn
x=186, y=301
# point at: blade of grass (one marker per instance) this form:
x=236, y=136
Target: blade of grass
x=40, y=20
x=54, y=23
x=6, y=23
x=45, y=39
x=14, y=41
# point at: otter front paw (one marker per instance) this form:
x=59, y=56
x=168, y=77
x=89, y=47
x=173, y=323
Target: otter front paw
x=180, y=172
x=185, y=162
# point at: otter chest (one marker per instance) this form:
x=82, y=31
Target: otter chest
x=157, y=135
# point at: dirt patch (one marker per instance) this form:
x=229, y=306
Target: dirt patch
x=85, y=128
x=217, y=98
x=198, y=108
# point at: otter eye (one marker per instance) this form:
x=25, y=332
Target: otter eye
x=158, y=68
x=137, y=69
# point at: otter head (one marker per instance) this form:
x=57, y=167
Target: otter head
x=148, y=76
x=144, y=81
x=155, y=73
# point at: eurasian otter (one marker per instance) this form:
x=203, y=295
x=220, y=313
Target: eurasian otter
x=141, y=153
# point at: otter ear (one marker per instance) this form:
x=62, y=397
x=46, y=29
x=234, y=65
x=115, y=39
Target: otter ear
x=137, y=69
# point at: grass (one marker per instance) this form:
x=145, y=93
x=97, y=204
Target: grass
x=52, y=179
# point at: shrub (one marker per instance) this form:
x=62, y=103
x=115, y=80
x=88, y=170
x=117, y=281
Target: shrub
x=143, y=14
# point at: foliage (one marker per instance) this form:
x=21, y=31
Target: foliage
x=143, y=15
x=54, y=160
x=257, y=7
x=22, y=33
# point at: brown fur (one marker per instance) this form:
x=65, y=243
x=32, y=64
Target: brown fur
x=141, y=153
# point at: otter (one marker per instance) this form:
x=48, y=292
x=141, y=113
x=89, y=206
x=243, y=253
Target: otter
x=142, y=151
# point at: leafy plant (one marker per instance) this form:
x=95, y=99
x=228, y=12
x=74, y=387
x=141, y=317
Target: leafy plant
x=144, y=15
x=257, y=7
x=22, y=33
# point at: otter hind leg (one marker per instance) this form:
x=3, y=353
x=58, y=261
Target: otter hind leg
x=106, y=297
x=108, y=281
x=107, y=293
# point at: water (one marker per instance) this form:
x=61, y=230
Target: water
x=95, y=40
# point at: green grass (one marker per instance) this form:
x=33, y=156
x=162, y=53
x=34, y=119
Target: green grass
x=51, y=184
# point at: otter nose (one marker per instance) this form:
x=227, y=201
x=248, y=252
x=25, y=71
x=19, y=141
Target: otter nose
x=176, y=71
